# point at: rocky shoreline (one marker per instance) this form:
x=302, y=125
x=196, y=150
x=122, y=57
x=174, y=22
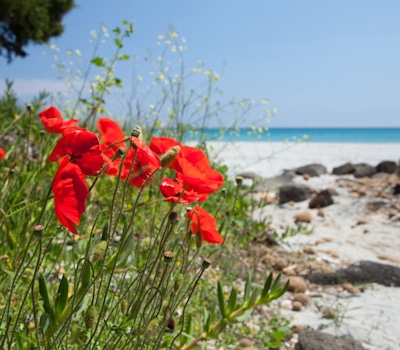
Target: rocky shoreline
x=345, y=272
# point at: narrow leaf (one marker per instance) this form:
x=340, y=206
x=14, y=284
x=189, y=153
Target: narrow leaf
x=221, y=300
x=45, y=296
x=62, y=297
x=267, y=285
x=232, y=301
x=247, y=288
x=86, y=274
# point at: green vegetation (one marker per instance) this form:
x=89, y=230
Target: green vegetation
x=144, y=270
x=26, y=21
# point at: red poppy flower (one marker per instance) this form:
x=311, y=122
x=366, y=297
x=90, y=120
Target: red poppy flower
x=161, y=145
x=111, y=134
x=70, y=193
x=2, y=153
x=173, y=189
x=202, y=222
x=53, y=121
x=146, y=162
x=83, y=148
x=193, y=167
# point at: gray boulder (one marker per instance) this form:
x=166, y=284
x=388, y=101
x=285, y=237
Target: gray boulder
x=311, y=169
x=313, y=340
x=386, y=166
x=364, y=170
x=344, y=169
x=294, y=192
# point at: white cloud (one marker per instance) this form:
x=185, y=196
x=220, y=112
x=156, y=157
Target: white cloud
x=31, y=87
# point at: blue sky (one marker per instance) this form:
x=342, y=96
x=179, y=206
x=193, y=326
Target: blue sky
x=320, y=63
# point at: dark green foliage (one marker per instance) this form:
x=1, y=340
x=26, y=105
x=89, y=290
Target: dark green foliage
x=25, y=21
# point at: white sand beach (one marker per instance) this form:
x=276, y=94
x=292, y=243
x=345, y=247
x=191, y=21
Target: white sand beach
x=270, y=158
x=373, y=315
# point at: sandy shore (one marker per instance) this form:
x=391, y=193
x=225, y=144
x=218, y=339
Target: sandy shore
x=373, y=315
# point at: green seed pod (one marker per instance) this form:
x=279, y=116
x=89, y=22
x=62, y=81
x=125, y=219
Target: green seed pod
x=206, y=264
x=100, y=251
x=90, y=316
x=152, y=329
x=239, y=180
x=178, y=282
x=168, y=257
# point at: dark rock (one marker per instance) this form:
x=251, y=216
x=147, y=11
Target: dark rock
x=311, y=169
x=321, y=199
x=364, y=170
x=361, y=272
x=396, y=189
x=386, y=166
x=313, y=340
x=377, y=204
x=344, y=169
x=294, y=192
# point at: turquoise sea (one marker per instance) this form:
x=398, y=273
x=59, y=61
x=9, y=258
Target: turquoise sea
x=334, y=135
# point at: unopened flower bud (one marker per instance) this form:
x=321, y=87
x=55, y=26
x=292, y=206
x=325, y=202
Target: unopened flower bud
x=178, y=282
x=99, y=251
x=168, y=157
x=90, y=316
x=206, y=264
x=38, y=231
x=168, y=257
x=119, y=153
x=137, y=132
x=173, y=216
x=239, y=180
x=29, y=107
x=152, y=329
x=223, y=192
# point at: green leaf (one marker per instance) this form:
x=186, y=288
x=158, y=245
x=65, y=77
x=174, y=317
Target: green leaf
x=247, y=288
x=86, y=274
x=232, y=301
x=98, y=61
x=244, y=316
x=221, y=300
x=118, y=42
x=254, y=297
x=267, y=285
x=45, y=321
x=62, y=297
x=45, y=296
x=277, y=284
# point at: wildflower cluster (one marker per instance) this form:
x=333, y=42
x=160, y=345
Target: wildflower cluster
x=80, y=153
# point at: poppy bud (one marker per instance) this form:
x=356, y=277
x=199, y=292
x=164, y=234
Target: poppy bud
x=173, y=216
x=168, y=257
x=168, y=157
x=29, y=107
x=38, y=231
x=120, y=152
x=99, y=251
x=137, y=132
x=239, y=180
x=206, y=264
x=178, y=282
x=90, y=316
x=152, y=329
